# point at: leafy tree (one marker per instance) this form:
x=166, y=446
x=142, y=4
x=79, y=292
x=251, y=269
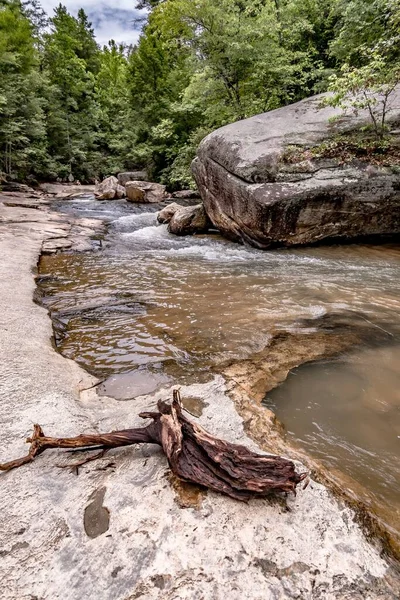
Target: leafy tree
x=159, y=71
x=369, y=87
x=70, y=109
x=87, y=48
x=115, y=114
x=361, y=24
x=38, y=19
x=200, y=65
x=22, y=129
x=70, y=58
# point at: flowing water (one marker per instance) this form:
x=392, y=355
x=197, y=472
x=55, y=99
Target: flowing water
x=151, y=308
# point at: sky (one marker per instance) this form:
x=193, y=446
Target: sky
x=111, y=19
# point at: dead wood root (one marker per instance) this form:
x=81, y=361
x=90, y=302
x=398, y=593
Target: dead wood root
x=193, y=454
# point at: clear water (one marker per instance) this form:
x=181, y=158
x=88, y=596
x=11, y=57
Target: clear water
x=151, y=308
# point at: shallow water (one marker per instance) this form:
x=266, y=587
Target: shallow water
x=152, y=308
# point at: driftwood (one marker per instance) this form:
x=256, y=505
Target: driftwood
x=193, y=454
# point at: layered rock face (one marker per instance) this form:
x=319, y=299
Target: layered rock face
x=252, y=194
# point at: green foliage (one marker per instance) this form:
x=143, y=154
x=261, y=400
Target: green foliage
x=70, y=61
x=22, y=128
x=115, y=115
x=368, y=86
x=200, y=65
x=70, y=109
x=361, y=23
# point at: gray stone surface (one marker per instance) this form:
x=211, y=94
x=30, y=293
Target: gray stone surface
x=186, y=194
x=109, y=189
x=117, y=530
x=252, y=195
x=166, y=213
x=63, y=190
x=188, y=220
x=144, y=191
x=123, y=178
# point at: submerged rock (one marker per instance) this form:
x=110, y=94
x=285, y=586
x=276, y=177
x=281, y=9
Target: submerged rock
x=109, y=189
x=166, y=214
x=144, y=191
x=188, y=220
x=253, y=194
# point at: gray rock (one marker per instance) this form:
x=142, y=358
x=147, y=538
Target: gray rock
x=134, y=193
x=144, y=191
x=188, y=220
x=252, y=195
x=166, y=214
x=123, y=178
x=11, y=186
x=120, y=191
x=51, y=521
x=107, y=189
x=186, y=194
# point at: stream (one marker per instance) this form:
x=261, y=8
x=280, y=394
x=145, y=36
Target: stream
x=151, y=309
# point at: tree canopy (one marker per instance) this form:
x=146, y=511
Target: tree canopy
x=70, y=109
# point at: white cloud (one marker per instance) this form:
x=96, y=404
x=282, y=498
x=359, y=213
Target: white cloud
x=111, y=19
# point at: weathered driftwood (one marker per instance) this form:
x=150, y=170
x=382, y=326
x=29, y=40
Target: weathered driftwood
x=193, y=454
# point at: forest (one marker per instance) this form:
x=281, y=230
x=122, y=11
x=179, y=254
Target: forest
x=72, y=110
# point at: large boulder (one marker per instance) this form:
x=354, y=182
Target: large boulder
x=144, y=191
x=253, y=193
x=109, y=189
x=188, y=220
x=123, y=178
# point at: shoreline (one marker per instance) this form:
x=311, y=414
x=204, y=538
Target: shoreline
x=152, y=545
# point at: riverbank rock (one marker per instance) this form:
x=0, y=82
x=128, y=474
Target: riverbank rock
x=120, y=530
x=253, y=193
x=123, y=178
x=188, y=220
x=144, y=191
x=120, y=191
x=109, y=189
x=186, y=194
x=11, y=186
x=61, y=190
x=166, y=214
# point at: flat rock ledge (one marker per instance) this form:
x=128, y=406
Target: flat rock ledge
x=121, y=529
x=253, y=195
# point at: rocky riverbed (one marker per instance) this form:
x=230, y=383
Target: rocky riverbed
x=121, y=528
